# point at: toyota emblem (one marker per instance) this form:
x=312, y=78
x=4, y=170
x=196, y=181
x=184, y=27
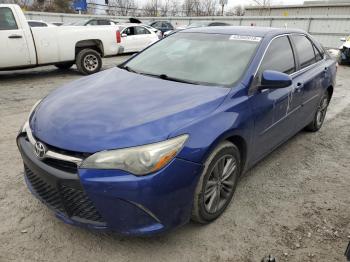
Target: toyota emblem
x=40, y=150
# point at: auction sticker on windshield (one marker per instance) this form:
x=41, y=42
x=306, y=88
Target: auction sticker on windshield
x=245, y=38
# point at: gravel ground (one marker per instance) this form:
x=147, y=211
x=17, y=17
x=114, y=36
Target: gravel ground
x=294, y=204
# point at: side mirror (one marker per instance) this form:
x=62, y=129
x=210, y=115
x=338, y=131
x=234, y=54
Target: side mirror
x=274, y=80
x=124, y=35
x=343, y=39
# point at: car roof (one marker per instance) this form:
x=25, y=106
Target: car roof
x=242, y=30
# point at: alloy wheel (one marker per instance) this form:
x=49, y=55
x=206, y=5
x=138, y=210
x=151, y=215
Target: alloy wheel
x=321, y=111
x=220, y=184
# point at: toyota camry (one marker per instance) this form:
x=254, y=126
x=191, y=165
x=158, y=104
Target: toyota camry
x=163, y=138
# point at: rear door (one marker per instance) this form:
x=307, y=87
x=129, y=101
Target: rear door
x=130, y=40
x=272, y=107
x=144, y=37
x=308, y=79
x=13, y=45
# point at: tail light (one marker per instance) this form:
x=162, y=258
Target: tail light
x=118, y=37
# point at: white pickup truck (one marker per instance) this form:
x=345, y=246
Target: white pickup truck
x=24, y=47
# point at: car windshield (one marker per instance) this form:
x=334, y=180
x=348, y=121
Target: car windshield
x=208, y=59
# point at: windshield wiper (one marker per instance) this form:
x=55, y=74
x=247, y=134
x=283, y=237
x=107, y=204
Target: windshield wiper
x=166, y=77
x=129, y=69
x=161, y=76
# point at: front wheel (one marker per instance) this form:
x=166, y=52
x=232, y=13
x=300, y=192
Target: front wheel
x=88, y=61
x=217, y=183
x=320, y=114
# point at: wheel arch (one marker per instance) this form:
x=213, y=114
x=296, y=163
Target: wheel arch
x=235, y=138
x=330, y=91
x=94, y=44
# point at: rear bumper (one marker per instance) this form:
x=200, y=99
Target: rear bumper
x=112, y=199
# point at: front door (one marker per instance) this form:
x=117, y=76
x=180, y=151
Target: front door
x=272, y=107
x=13, y=45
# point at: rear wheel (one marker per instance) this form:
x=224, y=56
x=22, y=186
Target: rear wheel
x=217, y=183
x=64, y=66
x=320, y=114
x=88, y=61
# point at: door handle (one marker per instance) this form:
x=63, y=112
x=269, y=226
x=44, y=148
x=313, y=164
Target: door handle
x=299, y=87
x=15, y=36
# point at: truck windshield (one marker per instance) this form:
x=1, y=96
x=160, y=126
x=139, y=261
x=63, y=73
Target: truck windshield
x=208, y=59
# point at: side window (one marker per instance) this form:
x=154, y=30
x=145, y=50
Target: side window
x=141, y=31
x=37, y=24
x=279, y=57
x=305, y=50
x=158, y=25
x=130, y=31
x=217, y=24
x=7, y=20
x=104, y=22
x=169, y=26
x=93, y=22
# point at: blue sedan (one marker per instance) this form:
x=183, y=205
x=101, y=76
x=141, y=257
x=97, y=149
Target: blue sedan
x=163, y=138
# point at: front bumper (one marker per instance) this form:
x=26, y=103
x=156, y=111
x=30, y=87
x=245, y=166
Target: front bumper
x=113, y=199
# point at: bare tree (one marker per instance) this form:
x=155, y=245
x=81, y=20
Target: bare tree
x=151, y=8
x=121, y=7
x=264, y=4
x=188, y=7
x=208, y=7
x=174, y=9
x=223, y=3
x=165, y=7
x=239, y=10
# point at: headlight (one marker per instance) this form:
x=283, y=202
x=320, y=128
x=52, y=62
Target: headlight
x=140, y=160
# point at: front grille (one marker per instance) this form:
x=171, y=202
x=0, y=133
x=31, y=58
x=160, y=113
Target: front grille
x=63, y=198
x=61, y=165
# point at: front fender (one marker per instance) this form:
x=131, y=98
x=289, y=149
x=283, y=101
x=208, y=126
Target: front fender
x=232, y=118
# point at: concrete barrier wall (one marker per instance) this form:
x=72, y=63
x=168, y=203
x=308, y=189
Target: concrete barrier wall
x=327, y=29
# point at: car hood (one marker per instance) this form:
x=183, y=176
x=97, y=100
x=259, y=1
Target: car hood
x=117, y=109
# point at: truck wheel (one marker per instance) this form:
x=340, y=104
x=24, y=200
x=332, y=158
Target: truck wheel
x=88, y=61
x=217, y=183
x=64, y=66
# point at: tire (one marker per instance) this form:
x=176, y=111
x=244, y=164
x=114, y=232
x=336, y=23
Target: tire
x=339, y=59
x=320, y=114
x=207, y=208
x=88, y=61
x=64, y=66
